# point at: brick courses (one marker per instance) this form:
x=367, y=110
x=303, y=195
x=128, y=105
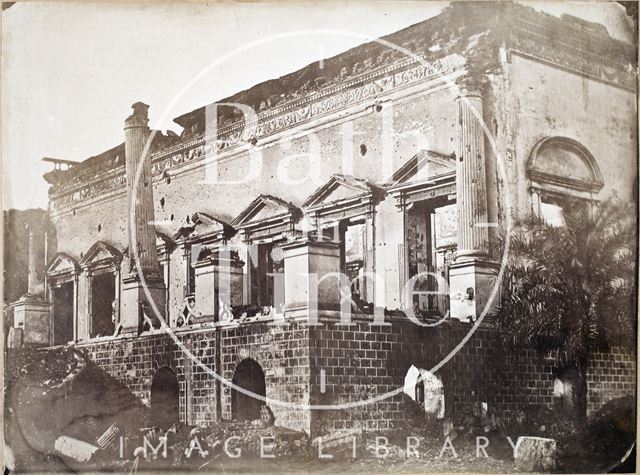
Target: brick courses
x=360, y=362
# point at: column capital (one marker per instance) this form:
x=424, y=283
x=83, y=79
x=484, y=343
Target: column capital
x=140, y=116
x=471, y=85
x=467, y=93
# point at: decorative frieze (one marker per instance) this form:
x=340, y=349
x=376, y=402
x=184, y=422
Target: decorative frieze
x=270, y=122
x=589, y=53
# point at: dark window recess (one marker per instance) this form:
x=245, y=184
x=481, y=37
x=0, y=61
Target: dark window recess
x=102, y=299
x=363, y=149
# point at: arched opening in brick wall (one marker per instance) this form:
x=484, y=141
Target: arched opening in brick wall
x=165, y=394
x=250, y=377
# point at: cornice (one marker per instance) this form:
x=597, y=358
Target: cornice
x=583, y=54
x=365, y=88
x=557, y=42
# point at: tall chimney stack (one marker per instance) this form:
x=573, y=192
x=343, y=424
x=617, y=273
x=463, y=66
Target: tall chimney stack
x=144, y=267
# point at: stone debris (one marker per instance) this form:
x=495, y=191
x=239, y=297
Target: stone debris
x=108, y=438
x=535, y=454
x=336, y=439
x=74, y=448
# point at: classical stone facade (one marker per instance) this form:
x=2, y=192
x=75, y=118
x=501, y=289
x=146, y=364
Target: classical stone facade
x=401, y=168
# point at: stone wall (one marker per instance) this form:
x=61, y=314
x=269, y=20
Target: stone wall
x=360, y=362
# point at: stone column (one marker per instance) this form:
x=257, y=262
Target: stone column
x=32, y=284
x=471, y=180
x=472, y=274
x=31, y=314
x=141, y=211
x=144, y=268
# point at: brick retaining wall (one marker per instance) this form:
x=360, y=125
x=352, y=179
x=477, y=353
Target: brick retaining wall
x=610, y=375
x=359, y=362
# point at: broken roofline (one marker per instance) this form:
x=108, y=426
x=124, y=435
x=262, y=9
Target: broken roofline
x=583, y=47
x=461, y=18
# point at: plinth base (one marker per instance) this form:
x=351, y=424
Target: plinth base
x=136, y=304
x=31, y=314
x=471, y=282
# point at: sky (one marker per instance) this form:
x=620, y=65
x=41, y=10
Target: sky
x=71, y=71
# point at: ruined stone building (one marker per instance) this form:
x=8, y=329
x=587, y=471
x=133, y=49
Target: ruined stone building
x=426, y=153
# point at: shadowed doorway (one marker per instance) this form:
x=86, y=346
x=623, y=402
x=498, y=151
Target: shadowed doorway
x=63, y=313
x=248, y=376
x=103, y=294
x=165, y=393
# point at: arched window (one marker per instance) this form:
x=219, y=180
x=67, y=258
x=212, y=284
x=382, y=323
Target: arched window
x=245, y=406
x=563, y=174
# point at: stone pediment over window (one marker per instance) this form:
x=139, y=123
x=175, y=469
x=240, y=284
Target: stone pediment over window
x=62, y=265
x=428, y=174
x=101, y=254
x=342, y=196
x=267, y=218
x=204, y=228
x=562, y=164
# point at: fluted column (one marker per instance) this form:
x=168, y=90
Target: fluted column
x=472, y=275
x=143, y=287
x=141, y=230
x=471, y=180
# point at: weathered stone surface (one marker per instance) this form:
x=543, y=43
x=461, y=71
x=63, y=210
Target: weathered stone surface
x=74, y=448
x=535, y=454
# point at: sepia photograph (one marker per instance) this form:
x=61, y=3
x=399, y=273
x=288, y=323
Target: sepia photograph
x=320, y=237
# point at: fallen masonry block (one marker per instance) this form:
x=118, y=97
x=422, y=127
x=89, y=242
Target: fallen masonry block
x=74, y=448
x=535, y=454
x=108, y=437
